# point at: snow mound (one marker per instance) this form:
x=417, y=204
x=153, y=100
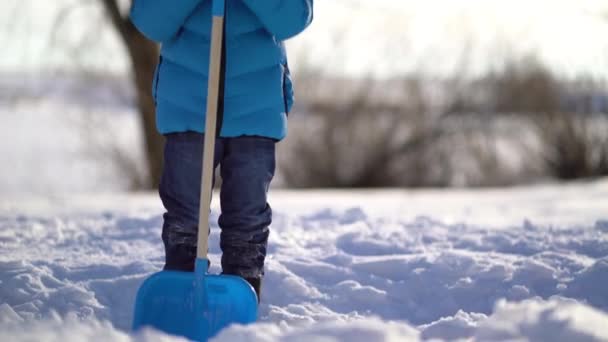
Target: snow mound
x=73, y=329
x=537, y=320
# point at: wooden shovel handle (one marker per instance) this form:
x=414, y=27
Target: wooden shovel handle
x=213, y=91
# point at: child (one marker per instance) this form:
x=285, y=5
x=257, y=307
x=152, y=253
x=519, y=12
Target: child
x=257, y=97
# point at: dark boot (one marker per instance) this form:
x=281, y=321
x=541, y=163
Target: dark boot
x=256, y=283
x=180, y=257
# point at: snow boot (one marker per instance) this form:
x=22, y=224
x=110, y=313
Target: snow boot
x=256, y=283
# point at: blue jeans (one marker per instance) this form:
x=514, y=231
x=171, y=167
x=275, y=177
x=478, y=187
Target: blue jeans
x=247, y=167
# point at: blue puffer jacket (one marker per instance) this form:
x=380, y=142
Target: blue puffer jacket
x=258, y=91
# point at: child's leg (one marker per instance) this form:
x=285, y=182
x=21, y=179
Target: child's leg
x=180, y=190
x=247, y=168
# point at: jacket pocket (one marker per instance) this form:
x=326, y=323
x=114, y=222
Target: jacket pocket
x=287, y=88
x=156, y=79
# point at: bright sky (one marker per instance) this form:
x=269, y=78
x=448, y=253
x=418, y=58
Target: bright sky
x=430, y=35
x=355, y=36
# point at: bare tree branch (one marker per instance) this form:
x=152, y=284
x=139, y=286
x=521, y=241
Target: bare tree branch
x=113, y=11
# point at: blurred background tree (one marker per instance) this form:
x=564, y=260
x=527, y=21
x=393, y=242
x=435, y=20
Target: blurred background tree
x=516, y=125
x=143, y=55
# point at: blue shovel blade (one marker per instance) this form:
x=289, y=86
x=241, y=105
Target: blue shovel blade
x=194, y=305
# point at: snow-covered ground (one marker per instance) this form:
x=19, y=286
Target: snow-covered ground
x=527, y=263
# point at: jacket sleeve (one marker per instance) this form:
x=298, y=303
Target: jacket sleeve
x=159, y=20
x=282, y=18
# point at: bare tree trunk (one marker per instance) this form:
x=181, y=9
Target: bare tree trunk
x=143, y=54
x=144, y=58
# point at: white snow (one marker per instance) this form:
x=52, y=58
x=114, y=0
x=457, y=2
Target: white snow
x=524, y=263
x=535, y=320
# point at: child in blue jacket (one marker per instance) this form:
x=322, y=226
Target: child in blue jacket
x=257, y=97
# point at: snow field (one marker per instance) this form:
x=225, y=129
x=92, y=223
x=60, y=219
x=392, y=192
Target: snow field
x=335, y=272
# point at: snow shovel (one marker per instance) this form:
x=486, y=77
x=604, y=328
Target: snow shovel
x=198, y=305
